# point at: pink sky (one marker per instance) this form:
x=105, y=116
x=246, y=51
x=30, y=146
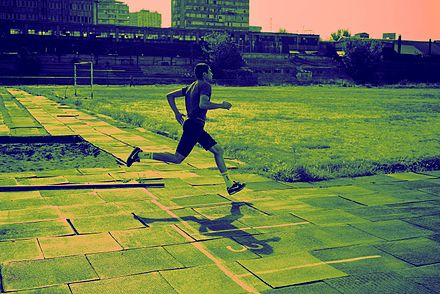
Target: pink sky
x=413, y=19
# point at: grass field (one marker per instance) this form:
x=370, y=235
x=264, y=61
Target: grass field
x=291, y=133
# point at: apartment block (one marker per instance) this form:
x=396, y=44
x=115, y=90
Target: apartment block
x=209, y=14
x=61, y=11
x=113, y=12
x=145, y=18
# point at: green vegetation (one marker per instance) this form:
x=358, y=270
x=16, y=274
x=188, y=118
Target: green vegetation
x=15, y=119
x=340, y=34
x=20, y=157
x=362, y=59
x=222, y=54
x=295, y=133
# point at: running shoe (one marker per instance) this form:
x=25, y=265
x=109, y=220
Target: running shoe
x=134, y=156
x=235, y=188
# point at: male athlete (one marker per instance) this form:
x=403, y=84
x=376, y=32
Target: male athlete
x=197, y=102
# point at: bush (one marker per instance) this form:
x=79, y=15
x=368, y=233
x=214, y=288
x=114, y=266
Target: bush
x=362, y=59
x=222, y=53
x=340, y=34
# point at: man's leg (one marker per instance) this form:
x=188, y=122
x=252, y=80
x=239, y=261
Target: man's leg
x=176, y=158
x=186, y=144
x=137, y=154
x=218, y=152
x=232, y=187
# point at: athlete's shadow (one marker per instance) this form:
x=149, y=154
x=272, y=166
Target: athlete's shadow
x=223, y=227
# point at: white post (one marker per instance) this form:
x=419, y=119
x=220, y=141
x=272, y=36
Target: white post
x=74, y=78
x=91, y=79
x=91, y=75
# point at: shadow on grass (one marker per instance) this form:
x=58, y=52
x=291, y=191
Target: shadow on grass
x=223, y=227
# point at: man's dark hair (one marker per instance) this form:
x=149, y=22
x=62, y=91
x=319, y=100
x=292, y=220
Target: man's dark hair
x=200, y=69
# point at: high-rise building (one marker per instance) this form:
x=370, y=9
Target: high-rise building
x=206, y=14
x=61, y=11
x=145, y=18
x=113, y=12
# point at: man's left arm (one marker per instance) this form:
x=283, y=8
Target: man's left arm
x=205, y=100
x=205, y=103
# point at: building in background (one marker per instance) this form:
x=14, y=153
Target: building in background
x=61, y=11
x=145, y=18
x=210, y=14
x=113, y=12
x=389, y=36
x=255, y=28
x=362, y=35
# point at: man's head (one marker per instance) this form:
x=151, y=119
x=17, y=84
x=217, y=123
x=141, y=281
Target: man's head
x=203, y=72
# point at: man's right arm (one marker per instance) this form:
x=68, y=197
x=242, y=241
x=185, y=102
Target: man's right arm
x=171, y=97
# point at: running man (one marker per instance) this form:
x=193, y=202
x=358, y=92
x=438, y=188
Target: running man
x=197, y=102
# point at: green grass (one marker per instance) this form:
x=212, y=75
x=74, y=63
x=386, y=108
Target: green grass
x=13, y=113
x=295, y=133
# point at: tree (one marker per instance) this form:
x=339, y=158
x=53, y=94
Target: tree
x=362, y=58
x=340, y=34
x=282, y=30
x=221, y=52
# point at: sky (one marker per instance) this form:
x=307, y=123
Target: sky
x=413, y=19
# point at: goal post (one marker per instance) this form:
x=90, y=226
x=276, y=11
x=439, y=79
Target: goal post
x=75, y=76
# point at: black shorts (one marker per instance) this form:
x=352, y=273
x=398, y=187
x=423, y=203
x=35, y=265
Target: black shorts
x=194, y=133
